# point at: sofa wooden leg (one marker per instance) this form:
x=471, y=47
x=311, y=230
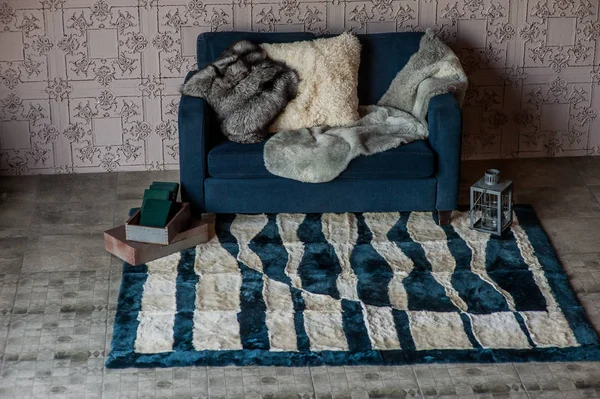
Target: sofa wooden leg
x=444, y=217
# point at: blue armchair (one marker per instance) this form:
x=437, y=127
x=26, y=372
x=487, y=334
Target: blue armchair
x=226, y=177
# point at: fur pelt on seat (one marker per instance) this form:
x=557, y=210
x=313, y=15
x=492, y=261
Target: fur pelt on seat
x=247, y=90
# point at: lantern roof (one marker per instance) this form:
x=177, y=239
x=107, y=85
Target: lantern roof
x=499, y=187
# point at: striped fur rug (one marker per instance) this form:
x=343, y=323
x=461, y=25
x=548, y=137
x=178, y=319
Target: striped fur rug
x=339, y=289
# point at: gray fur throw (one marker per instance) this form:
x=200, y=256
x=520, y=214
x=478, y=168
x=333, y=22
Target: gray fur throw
x=320, y=154
x=246, y=89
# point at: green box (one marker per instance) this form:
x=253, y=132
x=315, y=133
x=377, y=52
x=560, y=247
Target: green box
x=171, y=186
x=157, y=194
x=165, y=183
x=152, y=193
x=155, y=212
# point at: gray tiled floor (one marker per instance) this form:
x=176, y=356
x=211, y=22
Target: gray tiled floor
x=58, y=292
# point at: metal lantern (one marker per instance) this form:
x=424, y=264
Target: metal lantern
x=491, y=203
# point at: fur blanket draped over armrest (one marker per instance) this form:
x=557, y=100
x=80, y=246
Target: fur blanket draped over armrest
x=320, y=154
x=246, y=89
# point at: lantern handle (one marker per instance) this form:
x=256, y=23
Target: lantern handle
x=492, y=177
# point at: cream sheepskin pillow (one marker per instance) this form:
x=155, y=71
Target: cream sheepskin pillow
x=327, y=93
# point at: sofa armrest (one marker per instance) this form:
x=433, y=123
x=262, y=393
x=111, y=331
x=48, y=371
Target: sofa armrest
x=445, y=129
x=193, y=127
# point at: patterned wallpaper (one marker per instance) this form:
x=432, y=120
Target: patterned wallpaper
x=91, y=85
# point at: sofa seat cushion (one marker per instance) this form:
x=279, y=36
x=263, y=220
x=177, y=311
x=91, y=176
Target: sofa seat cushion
x=229, y=160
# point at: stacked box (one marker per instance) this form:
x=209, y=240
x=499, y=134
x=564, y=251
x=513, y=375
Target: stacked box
x=157, y=206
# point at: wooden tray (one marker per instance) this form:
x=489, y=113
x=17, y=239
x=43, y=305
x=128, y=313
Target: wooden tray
x=158, y=235
x=137, y=253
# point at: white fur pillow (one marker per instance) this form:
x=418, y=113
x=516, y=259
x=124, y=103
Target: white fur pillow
x=327, y=93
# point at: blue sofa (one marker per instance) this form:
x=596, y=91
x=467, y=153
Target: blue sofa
x=226, y=177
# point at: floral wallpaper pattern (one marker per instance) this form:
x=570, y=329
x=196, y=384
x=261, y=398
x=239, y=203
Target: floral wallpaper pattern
x=92, y=85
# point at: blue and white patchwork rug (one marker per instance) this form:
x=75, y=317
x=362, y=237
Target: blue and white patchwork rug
x=352, y=289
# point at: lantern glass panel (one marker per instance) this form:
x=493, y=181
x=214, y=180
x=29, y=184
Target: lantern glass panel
x=507, y=215
x=475, y=211
x=490, y=211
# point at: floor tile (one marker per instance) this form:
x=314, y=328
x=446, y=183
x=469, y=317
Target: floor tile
x=121, y=210
x=543, y=172
x=555, y=379
x=588, y=168
x=583, y=271
x=60, y=315
x=62, y=379
x=57, y=315
x=591, y=305
x=537, y=172
x=131, y=185
x=16, y=219
x=8, y=292
x=89, y=187
x=12, y=250
x=65, y=253
x=467, y=379
x=551, y=202
x=8, y=289
x=573, y=235
x=18, y=189
x=72, y=218
x=595, y=191
x=555, y=180
x=565, y=202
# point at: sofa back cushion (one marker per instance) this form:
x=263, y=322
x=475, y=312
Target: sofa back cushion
x=382, y=56
x=210, y=45
x=328, y=71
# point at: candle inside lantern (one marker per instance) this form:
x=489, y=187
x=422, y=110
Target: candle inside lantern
x=490, y=214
